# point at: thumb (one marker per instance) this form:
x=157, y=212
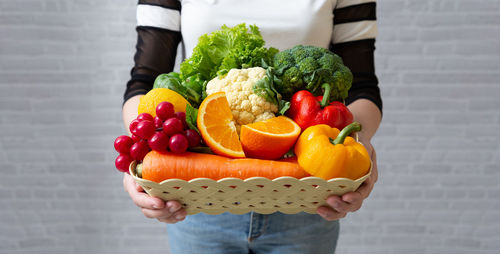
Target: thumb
x=138, y=187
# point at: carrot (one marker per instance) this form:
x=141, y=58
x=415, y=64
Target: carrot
x=158, y=166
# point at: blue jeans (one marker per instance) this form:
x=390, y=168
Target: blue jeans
x=255, y=233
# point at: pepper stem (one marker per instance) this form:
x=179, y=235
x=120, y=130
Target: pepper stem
x=353, y=127
x=326, y=95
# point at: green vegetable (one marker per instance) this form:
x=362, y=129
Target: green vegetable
x=190, y=89
x=191, y=116
x=200, y=149
x=195, y=83
x=265, y=89
x=228, y=48
x=309, y=67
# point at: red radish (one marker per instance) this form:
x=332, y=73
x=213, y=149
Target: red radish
x=123, y=143
x=139, y=150
x=145, y=129
x=193, y=138
x=158, y=122
x=165, y=110
x=122, y=162
x=133, y=125
x=135, y=138
x=172, y=126
x=159, y=141
x=178, y=143
x=145, y=116
x=182, y=116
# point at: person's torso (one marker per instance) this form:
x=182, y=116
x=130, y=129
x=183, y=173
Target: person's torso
x=282, y=23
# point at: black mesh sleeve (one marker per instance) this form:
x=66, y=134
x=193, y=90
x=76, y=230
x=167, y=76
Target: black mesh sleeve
x=358, y=56
x=156, y=50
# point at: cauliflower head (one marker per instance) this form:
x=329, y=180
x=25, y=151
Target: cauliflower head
x=246, y=106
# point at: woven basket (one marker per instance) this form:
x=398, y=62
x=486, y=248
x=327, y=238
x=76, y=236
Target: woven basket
x=284, y=194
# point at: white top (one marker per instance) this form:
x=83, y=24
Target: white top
x=282, y=23
x=303, y=22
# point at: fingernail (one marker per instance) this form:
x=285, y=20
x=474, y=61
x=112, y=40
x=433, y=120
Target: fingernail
x=323, y=212
x=336, y=204
x=172, y=208
x=333, y=203
x=179, y=217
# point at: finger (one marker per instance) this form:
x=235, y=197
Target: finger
x=352, y=197
x=172, y=220
x=359, y=195
x=138, y=187
x=339, y=205
x=365, y=188
x=329, y=214
x=336, y=204
x=374, y=174
x=127, y=182
x=130, y=184
x=157, y=213
x=351, y=201
x=180, y=215
x=173, y=205
x=143, y=200
x=172, y=208
x=169, y=220
x=140, y=198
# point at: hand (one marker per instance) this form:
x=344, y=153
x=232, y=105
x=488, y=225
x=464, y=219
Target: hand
x=153, y=208
x=338, y=207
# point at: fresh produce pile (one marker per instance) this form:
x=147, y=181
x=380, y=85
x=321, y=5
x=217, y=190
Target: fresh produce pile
x=239, y=109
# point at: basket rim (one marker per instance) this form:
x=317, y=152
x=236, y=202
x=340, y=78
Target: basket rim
x=133, y=173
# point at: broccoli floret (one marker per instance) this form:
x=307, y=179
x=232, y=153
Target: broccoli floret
x=342, y=76
x=299, y=53
x=291, y=81
x=285, y=61
x=309, y=67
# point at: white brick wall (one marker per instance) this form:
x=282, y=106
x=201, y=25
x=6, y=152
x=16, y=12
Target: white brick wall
x=63, y=67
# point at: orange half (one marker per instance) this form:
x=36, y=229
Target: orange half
x=217, y=127
x=269, y=139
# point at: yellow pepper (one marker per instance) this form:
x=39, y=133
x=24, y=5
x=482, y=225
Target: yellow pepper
x=328, y=153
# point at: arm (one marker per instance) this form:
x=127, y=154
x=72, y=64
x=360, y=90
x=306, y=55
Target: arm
x=354, y=40
x=158, y=35
x=129, y=111
x=369, y=115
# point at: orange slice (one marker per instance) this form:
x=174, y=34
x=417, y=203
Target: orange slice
x=269, y=139
x=217, y=127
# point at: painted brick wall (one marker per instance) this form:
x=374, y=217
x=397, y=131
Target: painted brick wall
x=63, y=66
x=439, y=69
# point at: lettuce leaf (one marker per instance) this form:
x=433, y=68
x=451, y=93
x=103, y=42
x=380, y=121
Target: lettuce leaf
x=224, y=49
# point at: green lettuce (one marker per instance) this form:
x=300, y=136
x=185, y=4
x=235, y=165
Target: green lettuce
x=224, y=49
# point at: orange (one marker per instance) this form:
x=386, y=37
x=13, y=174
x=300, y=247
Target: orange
x=148, y=102
x=269, y=139
x=217, y=127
